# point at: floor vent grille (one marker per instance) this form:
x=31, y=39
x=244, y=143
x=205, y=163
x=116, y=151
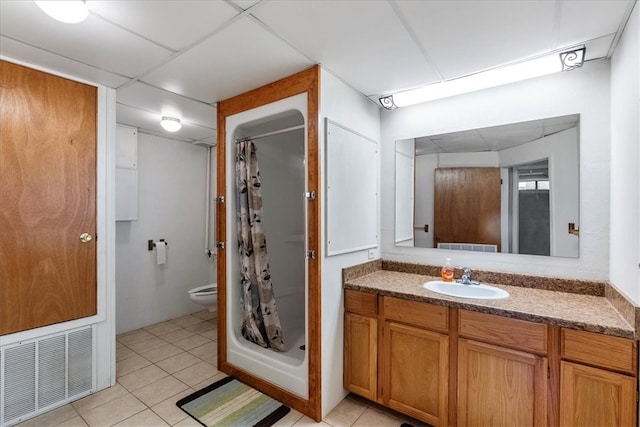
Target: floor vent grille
x=45, y=372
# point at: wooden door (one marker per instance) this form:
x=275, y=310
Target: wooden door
x=500, y=387
x=467, y=206
x=47, y=199
x=416, y=372
x=360, y=350
x=592, y=396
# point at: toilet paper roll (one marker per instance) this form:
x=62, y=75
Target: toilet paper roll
x=161, y=252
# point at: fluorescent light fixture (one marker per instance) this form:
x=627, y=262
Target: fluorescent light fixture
x=537, y=67
x=170, y=124
x=70, y=11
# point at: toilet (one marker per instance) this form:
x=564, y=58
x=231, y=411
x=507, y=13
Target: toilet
x=206, y=295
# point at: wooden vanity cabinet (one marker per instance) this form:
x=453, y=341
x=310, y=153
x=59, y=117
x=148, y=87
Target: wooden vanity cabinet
x=598, y=379
x=502, y=371
x=415, y=359
x=448, y=366
x=361, y=343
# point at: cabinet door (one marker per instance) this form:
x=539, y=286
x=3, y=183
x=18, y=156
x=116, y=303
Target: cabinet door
x=500, y=387
x=592, y=396
x=360, y=350
x=416, y=372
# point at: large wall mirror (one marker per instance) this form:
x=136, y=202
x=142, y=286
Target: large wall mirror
x=512, y=188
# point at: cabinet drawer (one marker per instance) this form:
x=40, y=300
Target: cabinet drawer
x=503, y=331
x=600, y=350
x=415, y=313
x=360, y=303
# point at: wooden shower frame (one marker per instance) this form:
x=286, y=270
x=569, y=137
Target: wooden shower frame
x=308, y=82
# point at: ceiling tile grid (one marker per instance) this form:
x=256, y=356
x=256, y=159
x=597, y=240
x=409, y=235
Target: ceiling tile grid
x=93, y=42
x=170, y=23
x=362, y=42
x=182, y=55
x=210, y=72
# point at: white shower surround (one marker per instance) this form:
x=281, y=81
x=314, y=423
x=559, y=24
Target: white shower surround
x=282, y=369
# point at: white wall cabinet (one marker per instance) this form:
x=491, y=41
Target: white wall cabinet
x=126, y=173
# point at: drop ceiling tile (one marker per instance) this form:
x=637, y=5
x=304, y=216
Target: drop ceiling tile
x=464, y=37
x=246, y=4
x=93, y=42
x=171, y=23
x=583, y=20
x=149, y=121
x=36, y=57
x=241, y=57
x=149, y=98
x=363, y=43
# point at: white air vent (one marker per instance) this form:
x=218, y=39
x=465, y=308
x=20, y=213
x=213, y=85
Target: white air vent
x=468, y=247
x=44, y=373
x=19, y=381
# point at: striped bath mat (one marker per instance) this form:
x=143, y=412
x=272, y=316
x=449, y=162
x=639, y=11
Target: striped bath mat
x=230, y=403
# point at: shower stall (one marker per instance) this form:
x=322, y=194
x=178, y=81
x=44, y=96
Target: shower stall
x=278, y=131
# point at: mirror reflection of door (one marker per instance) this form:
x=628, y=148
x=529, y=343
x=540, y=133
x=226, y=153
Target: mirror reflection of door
x=533, y=219
x=467, y=206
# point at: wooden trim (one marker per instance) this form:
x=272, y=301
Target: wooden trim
x=553, y=384
x=308, y=82
x=382, y=357
x=453, y=367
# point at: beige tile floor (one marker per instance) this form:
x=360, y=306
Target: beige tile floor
x=159, y=364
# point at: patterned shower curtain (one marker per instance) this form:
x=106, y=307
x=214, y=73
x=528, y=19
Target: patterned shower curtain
x=261, y=323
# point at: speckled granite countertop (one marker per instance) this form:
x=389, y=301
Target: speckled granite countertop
x=576, y=311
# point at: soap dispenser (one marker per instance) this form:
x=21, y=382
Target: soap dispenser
x=447, y=271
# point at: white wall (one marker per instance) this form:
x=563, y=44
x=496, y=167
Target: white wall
x=171, y=206
x=625, y=158
x=345, y=106
x=584, y=91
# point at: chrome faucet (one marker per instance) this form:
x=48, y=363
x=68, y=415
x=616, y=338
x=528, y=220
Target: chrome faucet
x=466, y=278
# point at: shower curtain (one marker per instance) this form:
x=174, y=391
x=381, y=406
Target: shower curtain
x=261, y=323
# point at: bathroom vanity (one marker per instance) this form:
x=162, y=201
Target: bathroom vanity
x=540, y=357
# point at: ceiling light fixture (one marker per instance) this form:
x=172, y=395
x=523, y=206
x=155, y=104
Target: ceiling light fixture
x=70, y=11
x=387, y=102
x=536, y=67
x=170, y=124
x=572, y=59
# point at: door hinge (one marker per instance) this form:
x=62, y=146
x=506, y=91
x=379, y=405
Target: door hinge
x=220, y=199
x=310, y=195
x=548, y=372
x=311, y=254
x=220, y=245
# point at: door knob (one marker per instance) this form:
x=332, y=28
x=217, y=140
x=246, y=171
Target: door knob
x=85, y=237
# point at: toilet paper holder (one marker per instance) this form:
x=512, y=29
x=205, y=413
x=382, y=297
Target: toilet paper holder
x=151, y=244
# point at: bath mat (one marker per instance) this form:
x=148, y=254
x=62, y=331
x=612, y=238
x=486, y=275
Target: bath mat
x=229, y=402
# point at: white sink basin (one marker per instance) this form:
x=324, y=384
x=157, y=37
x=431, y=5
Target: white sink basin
x=466, y=291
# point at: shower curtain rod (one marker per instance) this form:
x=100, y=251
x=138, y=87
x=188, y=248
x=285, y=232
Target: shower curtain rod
x=277, y=132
